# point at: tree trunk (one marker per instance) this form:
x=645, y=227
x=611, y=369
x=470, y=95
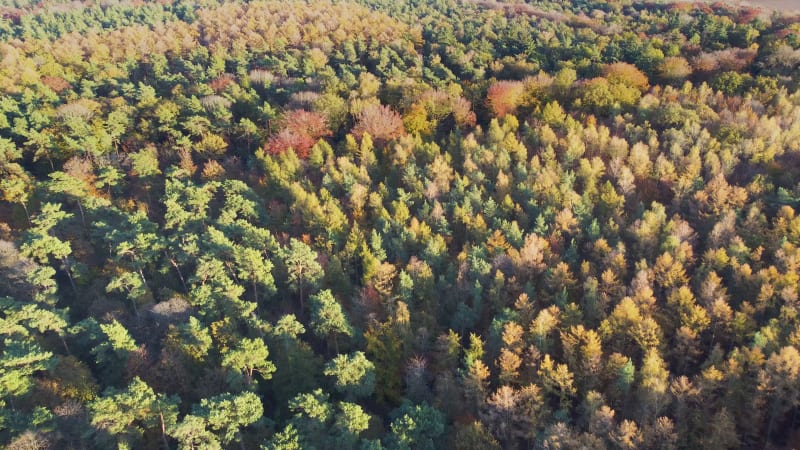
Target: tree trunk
x=141, y=274
x=178, y=269
x=228, y=265
x=163, y=429
x=300, y=288
x=27, y=214
x=83, y=217
x=133, y=303
x=67, y=266
x=64, y=343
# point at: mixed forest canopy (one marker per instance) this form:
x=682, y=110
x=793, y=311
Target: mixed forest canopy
x=386, y=224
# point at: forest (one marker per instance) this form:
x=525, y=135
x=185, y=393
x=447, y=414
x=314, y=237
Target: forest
x=398, y=224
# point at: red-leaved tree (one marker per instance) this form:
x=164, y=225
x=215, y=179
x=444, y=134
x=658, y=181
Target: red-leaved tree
x=301, y=130
x=311, y=123
x=504, y=97
x=380, y=122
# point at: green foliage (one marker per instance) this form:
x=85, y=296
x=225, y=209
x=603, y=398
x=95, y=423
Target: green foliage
x=249, y=356
x=327, y=316
x=122, y=416
x=302, y=266
x=226, y=414
x=20, y=361
x=419, y=426
x=287, y=439
x=354, y=374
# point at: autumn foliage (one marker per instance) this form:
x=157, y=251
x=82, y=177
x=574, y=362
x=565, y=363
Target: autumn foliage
x=626, y=74
x=301, y=130
x=503, y=97
x=57, y=84
x=381, y=122
x=220, y=83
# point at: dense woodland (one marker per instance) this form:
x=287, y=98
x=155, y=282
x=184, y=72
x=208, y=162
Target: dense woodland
x=384, y=224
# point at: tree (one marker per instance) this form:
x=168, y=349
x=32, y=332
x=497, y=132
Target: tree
x=253, y=265
x=134, y=245
x=191, y=340
x=654, y=384
x=474, y=437
x=557, y=379
x=350, y=422
x=215, y=293
x=661, y=435
x=312, y=415
x=627, y=436
x=20, y=360
x=114, y=345
x=327, y=317
x=304, y=270
x=626, y=74
x=287, y=139
x=24, y=319
x=250, y=356
x=15, y=183
x=603, y=97
x=108, y=177
x=416, y=427
x=380, y=122
x=778, y=382
x=40, y=244
x=354, y=374
x=74, y=182
x=191, y=434
x=674, y=69
x=287, y=439
x=125, y=414
x=226, y=414
x=583, y=352
x=311, y=123
x=512, y=414
x=503, y=97
x=722, y=432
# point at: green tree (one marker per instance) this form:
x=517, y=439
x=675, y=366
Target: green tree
x=41, y=245
x=286, y=439
x=226, y=414
x=328, y=318
x=253, y=265
x=192, y=434
x=349, y=423
x=312, y=415
x=16, y=185
x=302, y=266
x=354, y=374
x=248, y=357
x=122, y=416
x=20, y=361
x=416, y=427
